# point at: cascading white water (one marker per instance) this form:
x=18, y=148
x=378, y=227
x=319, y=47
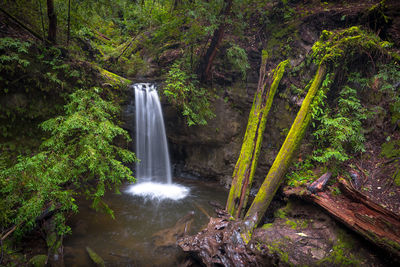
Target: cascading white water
x=153, y=171
x=151, y=141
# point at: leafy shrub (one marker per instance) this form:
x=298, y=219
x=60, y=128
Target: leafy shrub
x=182, y=91
x=340, y=130
x=238, y=58
x=79, y=157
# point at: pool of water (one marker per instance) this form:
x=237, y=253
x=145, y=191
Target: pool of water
x=133, y=237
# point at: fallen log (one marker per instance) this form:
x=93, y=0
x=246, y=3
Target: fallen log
x=359, y=213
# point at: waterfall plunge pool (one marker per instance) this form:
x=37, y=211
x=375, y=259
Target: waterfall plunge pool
x=133, y=237
x=158, y=191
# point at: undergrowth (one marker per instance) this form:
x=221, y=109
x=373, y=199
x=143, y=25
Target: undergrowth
x=79, y=157
x=183, y=91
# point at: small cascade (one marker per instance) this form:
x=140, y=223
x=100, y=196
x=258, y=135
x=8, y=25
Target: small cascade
x=151, y=140
x=153, y=171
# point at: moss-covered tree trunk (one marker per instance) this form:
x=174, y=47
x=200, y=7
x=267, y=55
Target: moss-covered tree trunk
x=283, y=159
x=245, y=166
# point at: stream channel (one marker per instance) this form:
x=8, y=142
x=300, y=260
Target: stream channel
x=131, y=238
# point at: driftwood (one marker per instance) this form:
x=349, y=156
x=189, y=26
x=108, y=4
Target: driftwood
x=359, y=213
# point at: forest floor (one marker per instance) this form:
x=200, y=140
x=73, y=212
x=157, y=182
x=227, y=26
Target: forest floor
x=376, y=175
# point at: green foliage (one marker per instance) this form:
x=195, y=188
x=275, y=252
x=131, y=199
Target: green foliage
x=302, y=173
x=32, y=72
x=340, y=130
x=237, y=57
x=13, y=53
x=391, y=149
x=183, y=92
x=78, y=157
x=389, y=76
x=345, y=44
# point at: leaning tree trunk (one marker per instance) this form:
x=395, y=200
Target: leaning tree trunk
x=52, y=22
x=243, y=173
x=283, y=159
x=206, y=64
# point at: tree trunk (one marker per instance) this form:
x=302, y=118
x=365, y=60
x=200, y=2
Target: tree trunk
x=283, y=159
x=35, y=34
x=69, y=21
x=243, y=174
x=206, y=63
x=359, y=213
x=52, y=34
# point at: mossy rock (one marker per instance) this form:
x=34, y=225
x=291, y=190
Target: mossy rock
x=38, y=260
x=95, y=257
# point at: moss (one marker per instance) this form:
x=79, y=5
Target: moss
x=38, y=261
x=267, y=226
x=281, y=37
x=277, y=248
x=95, y=258
x=340, y=253
x=292, y=224
x=391, y=149
x=396, y=177
x=297, y=224
x=282, y=212
x=284, y=157
x=114, y=79
x=248, y=158
x=336, y=47
x=51, y=240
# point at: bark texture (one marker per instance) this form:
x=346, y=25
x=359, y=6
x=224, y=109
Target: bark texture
x=283, y=159
x=243, y=174
x=52, y=33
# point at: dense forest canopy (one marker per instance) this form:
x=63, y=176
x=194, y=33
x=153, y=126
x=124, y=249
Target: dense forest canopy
x=61, y=91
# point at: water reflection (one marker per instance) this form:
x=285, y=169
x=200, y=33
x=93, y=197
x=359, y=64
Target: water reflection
x=131, y=239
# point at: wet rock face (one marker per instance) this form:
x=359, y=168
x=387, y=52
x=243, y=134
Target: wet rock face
x=211, y=151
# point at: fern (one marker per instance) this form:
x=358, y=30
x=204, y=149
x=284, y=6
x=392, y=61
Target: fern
x=182, y=92
x=237, y=57
x=340, y=132
x=79, y=157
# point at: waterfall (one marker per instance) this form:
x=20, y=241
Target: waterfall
x=153, y=171
x=151, y=140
